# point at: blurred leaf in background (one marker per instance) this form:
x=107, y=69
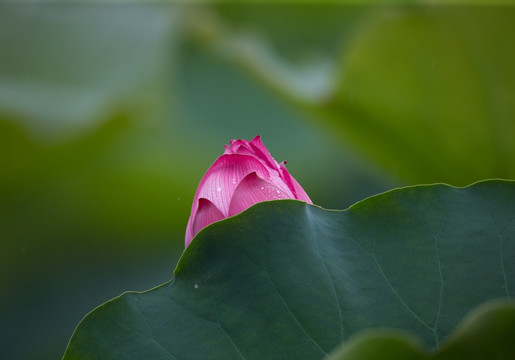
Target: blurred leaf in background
x=81, y=92
x=110, y=115
x=426, y=92
x=430, y=93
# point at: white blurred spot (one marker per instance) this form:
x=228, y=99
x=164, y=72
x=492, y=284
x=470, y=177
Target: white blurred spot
x=311, y=80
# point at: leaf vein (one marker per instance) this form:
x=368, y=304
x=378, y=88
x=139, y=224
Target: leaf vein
x=151, y=338
x=338, y=305
x=227, y=336
x=288, y=310
x=437, y=251
x=500, y=235
x=403, y=303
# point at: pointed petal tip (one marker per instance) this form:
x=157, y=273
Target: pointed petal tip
x=294, y=186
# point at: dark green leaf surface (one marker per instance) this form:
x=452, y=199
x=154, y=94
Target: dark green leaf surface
x=289, y=280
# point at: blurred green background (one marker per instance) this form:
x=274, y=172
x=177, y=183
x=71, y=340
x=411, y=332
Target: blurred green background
x=110, y=114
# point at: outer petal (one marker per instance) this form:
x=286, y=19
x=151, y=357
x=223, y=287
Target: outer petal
x=251, y=190
x=207, y=213
x=220, y=181
x=297, y=190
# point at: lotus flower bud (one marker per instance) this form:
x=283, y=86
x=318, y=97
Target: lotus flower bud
x=244, y=175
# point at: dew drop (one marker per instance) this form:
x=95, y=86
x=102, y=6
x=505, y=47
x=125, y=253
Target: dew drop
x=219, y=189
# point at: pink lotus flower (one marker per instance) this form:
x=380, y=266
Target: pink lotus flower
x=244, y=175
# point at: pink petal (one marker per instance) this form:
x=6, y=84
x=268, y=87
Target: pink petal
x=251, y=190
x=262, y=153
x=222, y=178
x=253, y=148
x=287, y=178
x=294, y=186
x=207, y=213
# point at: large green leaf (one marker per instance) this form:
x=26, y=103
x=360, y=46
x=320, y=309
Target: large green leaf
x=289, y=280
